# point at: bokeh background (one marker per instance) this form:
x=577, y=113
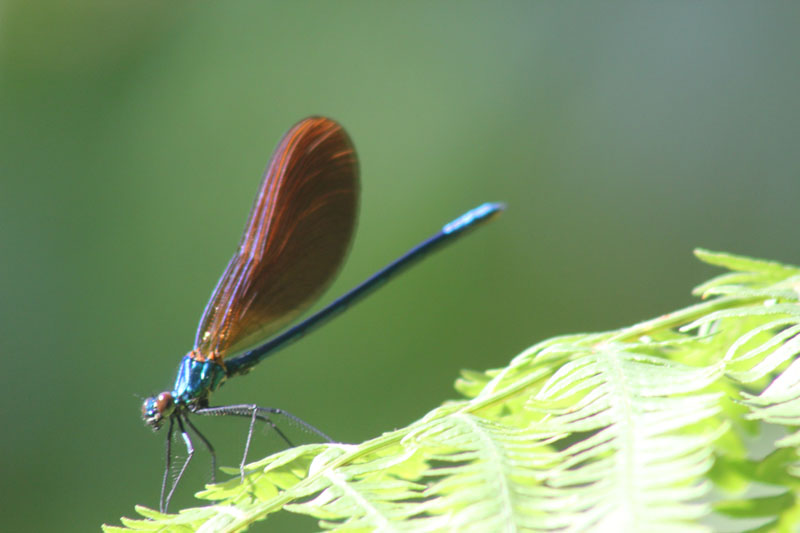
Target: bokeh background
x=133, y=136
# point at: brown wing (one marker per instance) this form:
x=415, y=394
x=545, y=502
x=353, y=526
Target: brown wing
x=296, y=238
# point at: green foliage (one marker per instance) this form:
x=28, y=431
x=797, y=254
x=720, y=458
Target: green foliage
x=626, y=430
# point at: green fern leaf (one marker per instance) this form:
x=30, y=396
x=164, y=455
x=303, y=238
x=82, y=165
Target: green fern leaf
x=626, y=430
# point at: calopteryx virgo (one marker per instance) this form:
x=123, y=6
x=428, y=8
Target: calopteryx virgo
x=296, y=238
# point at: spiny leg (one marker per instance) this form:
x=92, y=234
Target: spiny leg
x=247, y=411
x=208, y=445
x=247, y=443
x=296, y=420
x=168, y=461
x=258, y=416
x=253, y=415
x=254, y=412
x=189, y=453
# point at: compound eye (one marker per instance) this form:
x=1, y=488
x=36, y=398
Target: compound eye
x=165, y=404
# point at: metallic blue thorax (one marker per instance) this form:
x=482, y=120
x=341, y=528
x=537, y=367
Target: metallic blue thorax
x=196, y=379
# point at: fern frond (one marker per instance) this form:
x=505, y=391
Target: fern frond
x=625, y=430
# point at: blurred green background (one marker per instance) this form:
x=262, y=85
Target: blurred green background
x=133, y=136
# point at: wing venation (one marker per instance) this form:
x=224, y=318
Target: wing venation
x=295, y=240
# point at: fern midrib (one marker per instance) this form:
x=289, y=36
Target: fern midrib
x=496, y=459
x=625, y=421
x=379, y=519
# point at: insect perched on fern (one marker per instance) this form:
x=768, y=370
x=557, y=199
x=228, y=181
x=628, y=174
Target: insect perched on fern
x=623, y=431
x=294, y=242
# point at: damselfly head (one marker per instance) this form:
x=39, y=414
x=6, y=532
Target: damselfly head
x=157, y=409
